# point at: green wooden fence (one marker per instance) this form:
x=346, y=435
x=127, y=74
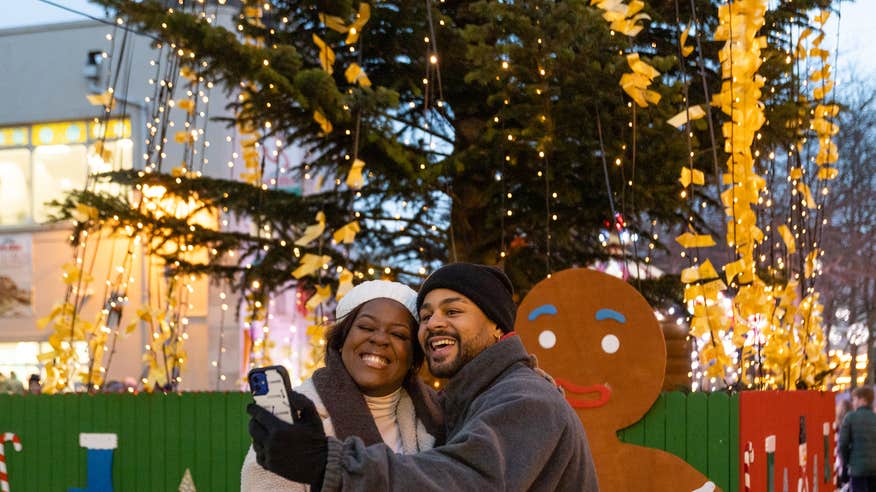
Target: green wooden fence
x=700, y=428
x=160, y=436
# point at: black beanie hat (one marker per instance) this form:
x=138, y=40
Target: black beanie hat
x=487, y=286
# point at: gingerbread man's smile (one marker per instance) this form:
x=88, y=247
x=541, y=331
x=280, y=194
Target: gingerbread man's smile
x=602, y=394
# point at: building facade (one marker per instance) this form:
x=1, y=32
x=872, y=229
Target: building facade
x=53, y=134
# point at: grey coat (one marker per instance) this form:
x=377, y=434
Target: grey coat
x=507, y=427
x=857, y=442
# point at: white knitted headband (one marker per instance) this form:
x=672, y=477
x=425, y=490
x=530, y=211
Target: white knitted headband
x=377, y=289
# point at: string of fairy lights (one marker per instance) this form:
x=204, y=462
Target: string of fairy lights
x=178, y=91
x=743, y=341
x=167, y=323
x=70, y=328
x=625, y=23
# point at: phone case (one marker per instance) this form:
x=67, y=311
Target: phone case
x=270, y=389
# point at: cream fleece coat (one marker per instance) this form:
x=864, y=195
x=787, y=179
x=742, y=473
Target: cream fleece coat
x=254, y=478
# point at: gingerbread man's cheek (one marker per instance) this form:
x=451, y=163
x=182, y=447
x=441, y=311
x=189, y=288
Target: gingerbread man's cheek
x=547, y=339
x=610, y=344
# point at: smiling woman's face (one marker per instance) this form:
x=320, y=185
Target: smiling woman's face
x=378, y=350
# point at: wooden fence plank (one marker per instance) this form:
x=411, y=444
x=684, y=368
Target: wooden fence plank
x=204, y=437
x=41, y=441
x=655, y=424
x=719, y=439
x=142, y=481
x=157, y=441
x=232, y=441
x=74, y=467
x=239, y=440
x=697, y=413
x=125, y=466
x=175, y=468
x=188, y=444
x=57, y=427
x=676, y=424
x=733, y=467
x=634, y=434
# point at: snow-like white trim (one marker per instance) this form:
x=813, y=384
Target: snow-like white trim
x=770, y=444
x=98, y=441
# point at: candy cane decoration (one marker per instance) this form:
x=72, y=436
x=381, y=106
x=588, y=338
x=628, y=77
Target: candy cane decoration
x=16, y=443
x=747, y=460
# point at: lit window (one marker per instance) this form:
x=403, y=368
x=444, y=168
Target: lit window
x=43, y=162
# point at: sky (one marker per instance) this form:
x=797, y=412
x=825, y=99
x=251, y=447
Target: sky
x=855, y=25
x=857, y=35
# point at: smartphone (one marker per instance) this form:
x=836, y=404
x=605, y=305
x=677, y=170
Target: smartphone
x=270, y=390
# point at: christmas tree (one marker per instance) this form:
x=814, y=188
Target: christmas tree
x=528, y=134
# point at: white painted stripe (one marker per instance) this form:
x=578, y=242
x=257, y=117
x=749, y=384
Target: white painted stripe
x=98, y=441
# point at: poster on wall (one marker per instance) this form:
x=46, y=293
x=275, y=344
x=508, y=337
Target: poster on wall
x=16, y=275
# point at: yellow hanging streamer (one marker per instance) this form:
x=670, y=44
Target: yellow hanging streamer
x=326, y=54
x=347, y=233
x=323, y=122
x=309, y=264
x=354, y=178
x=355, y=75
x=312, y=231
x=345, y=283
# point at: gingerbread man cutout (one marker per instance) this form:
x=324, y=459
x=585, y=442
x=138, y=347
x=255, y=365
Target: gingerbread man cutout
x=599, y=339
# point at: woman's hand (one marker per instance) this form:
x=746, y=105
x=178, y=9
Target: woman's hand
x=295, y=451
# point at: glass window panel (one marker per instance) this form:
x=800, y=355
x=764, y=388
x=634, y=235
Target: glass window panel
x=59, y=133
x=14, y=185
x=110, y=156
x=115, y=128
x=57, y=170
x=13, y=136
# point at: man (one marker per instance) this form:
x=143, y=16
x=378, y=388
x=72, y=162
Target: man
x=507, y=427
x=33, y=384
x=857, y=441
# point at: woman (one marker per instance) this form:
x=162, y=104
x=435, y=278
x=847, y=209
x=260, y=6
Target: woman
x=369, y=385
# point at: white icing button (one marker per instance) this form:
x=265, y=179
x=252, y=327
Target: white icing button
x=610, y=344
x=547, y=339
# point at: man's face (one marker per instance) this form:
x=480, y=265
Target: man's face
x=453, y=331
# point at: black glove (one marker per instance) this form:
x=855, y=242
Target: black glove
x=296, y=451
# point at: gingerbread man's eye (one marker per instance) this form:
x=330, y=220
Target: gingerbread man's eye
x=610, y=344
x=547, y=339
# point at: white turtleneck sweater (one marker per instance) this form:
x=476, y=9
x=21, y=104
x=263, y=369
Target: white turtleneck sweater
x=384, y=409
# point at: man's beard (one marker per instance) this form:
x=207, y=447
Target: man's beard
x=449, y=368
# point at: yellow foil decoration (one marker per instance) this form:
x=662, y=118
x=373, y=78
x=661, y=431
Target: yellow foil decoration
x=354, y=178
x=345, y=283
x=689, y=240
x=326, y=54
x=323, y=122
x=347, y=233
x=310, y=263
x=312, y=231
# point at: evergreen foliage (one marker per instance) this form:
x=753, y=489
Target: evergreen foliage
x=482, y=189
